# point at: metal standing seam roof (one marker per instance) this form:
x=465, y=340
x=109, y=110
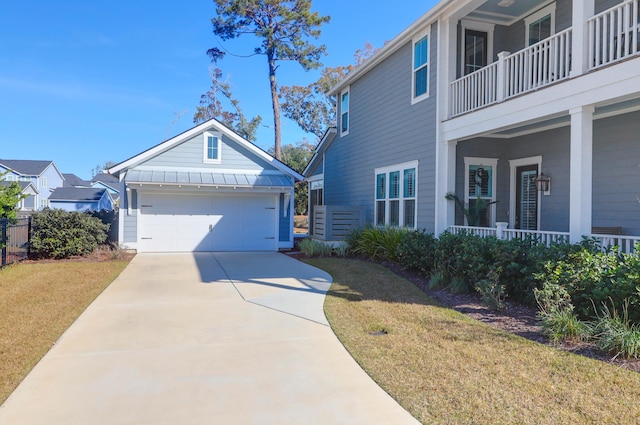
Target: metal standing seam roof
x=207, y=179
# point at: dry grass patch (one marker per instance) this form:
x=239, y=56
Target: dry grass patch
x=446, y=368
x=39, y=301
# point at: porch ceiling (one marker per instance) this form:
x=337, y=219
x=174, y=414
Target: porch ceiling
x=506, y=12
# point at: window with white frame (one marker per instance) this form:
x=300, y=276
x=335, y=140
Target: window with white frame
x=44, y=203
x=540, y=25
x=420, y=76
x=8, y=178
x=43, y=182
x=396, y=195
x=344, y=112
x=480, y=189
x=477, y=49
x=212, y=147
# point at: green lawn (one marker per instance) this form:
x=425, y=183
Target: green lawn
x=39, y=301
x=446, y=368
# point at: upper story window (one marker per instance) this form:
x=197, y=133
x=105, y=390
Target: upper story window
x=8, y=178
x=212, y=147
x=43, y=182
x=420, y=75
x=540, y=25
x=344, y=112
x=395, y=203
x=477, y=48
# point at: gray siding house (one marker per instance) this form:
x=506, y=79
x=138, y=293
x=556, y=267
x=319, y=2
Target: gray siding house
x=206, y=189
x=533, y=106
x=44, y=177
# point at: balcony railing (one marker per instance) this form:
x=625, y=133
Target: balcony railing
x=613, y=34
x=539, y=65
x=625, y=244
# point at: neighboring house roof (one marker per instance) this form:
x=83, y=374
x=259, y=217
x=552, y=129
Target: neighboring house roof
x=186, y=135
x=106, y=180
x=27, y=167
x=23, y=185
x=79, y=194
x=327, y=138
x=71, y=180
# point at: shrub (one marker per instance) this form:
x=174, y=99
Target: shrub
x=377, y=243
x=314, y=248
x=593, y=278
x=564, y=325
x=417, y=252
x=616, y=334
x=61, y=234
x=491, y=291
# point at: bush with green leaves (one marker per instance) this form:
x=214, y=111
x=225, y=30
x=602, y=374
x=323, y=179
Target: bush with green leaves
x=62, y=234
x=416, y=252
x=593, y=278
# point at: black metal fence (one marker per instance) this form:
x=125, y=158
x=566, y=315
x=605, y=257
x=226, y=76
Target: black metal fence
x=14, y=239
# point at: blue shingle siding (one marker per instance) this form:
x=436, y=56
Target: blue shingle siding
x=190, y=155
x=616, y=173
x=386, y=129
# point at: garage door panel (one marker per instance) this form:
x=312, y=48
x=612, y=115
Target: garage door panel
x=179, y=223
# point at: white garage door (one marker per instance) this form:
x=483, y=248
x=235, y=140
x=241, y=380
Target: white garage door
x=188, y=222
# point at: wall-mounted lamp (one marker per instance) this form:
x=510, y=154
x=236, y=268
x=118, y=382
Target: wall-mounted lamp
x=543, y=183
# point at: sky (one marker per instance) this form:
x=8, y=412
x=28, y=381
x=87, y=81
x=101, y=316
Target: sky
x=90, y=81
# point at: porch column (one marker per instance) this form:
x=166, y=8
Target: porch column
x=445, y=182
x=582, y=10
x=580, y=175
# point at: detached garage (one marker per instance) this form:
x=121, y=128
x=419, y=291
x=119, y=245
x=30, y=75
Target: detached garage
x=206, y=189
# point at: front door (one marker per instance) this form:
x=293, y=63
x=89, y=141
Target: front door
x=526, y=198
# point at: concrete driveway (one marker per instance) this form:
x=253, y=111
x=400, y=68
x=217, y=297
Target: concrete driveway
x=205, y=338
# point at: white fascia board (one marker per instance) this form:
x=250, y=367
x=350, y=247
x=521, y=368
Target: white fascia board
x=212, y=123
x=400, y=40
x=328, y=137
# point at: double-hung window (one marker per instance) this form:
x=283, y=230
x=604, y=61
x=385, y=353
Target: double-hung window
x=540, y=25
x=212, y=147
x=344, y=112
x=395, y=200
x=420, y=76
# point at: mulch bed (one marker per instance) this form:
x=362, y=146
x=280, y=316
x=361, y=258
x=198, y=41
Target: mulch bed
x=515, y=318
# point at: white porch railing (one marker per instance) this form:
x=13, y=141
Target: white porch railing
x=613, y=34
x=626, y=244
x=475, y=90
x=544, y=237
x=478, y=231
x=540, y=64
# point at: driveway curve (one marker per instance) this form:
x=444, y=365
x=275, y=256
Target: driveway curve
x=204, y=338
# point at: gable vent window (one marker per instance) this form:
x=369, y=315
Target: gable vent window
x=395, y=201
x=212, y=147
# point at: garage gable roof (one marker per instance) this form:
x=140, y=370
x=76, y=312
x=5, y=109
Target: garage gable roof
x=211, y=124
x=207, y=178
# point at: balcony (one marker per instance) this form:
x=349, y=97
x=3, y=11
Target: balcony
x=613, y=36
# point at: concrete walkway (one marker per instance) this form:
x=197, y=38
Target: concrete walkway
x=206, y=338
